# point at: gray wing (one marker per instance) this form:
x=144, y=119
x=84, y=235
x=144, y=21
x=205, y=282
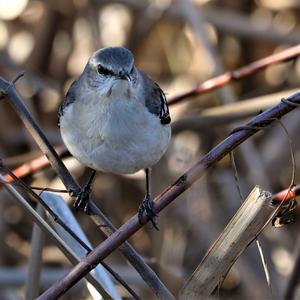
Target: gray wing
x=155, y=100
x=68, y=99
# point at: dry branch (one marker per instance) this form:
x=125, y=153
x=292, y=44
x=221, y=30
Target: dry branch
x=237, y=74
x=242, y=229
x=56, y=203
x=171, y=193
x=283, y=196
x=35, y=165
x=68, y=252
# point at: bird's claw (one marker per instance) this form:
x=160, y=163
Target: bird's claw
x=147, y=206
x=82, y=199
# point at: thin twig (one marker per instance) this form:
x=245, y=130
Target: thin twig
x=237, y=74
x=55, y=217
x=56, y=203
x=171, y=193
x=102, y=222
x=67, y=228
x=68, y=252
x=37, y=188
x=257, y=241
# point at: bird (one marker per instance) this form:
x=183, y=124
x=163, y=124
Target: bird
x=115, y=119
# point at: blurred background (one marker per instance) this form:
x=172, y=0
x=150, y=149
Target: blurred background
x=179, y=44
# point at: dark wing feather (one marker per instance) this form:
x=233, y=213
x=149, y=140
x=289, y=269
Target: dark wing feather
x=155, y=100
x=68, y=99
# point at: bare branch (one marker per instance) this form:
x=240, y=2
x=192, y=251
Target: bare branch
x=68, y=252
x=171, y=193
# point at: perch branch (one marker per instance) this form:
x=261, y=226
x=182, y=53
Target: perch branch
x=35, y=165
x=171, y=193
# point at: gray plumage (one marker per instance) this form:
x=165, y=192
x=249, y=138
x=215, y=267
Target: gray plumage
x=115, y=119
x=115, y=59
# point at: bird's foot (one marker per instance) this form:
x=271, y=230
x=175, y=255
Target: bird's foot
x=147, y=206
x=82, y=199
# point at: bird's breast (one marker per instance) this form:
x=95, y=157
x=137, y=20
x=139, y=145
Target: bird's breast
x=115, y=136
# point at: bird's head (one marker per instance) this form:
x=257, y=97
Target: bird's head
x=111, y=67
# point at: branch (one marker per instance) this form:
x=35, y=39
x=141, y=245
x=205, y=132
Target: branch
x=237, y=74
x=35, y=165
x=72, y=186
x=282, y=195
x=171, y=193
x=68, y=252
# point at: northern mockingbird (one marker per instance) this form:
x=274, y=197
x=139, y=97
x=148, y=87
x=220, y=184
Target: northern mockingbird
x=115, y=119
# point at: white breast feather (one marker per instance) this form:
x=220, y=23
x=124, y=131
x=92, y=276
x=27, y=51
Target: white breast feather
x=112, y=134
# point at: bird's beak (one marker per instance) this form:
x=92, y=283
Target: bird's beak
x=125, y=77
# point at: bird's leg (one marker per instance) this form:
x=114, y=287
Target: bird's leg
x=82, y=199
x=147, y=204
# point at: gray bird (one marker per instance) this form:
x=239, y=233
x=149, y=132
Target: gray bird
x=115, y=119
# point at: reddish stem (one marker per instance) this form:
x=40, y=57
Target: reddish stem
x=35, y=165
x=237, y=74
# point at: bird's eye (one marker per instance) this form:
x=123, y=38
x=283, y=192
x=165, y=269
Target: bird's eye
x=103, y=71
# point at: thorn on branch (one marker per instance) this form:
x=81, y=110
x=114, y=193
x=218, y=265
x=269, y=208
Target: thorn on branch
x=288, y=102
x=20, y=75
x=181, y=180
x=4, y=93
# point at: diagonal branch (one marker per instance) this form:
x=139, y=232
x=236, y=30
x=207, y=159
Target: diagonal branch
x=171, y=193
x=72, y=186
x=68, y=252
x=35, y=165
x=237, y=74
